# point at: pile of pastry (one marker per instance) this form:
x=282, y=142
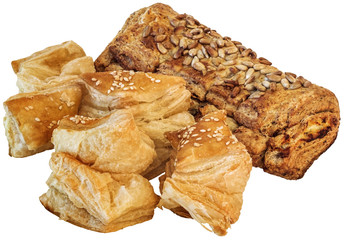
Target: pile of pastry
x=168, y=97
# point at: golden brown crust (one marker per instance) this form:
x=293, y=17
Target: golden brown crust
x=207, y=173
x=97, y=201
x=223, y=73
x=32, y=117
x=111, y=144
x=59, y=63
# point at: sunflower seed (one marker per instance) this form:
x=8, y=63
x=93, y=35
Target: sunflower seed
x=147, y=31
x=200, y=54
x=250, y=80
x=249, y=87
x=211, y=51
x=259, y=66
x=221, y=53
x=199, y=66
x=292, y=74
x=229, y=63
x=268, y=69
x=264, y=61
x=259, y=87
x=187, y=61
x=214, y=45
x=203, y=49
x=301, y=79
x=192, y=44
x=205, y=40
x=246, y=52
x=193, y=52
x=220, y=42
x=173, y=22
x=247, y=63
x=241, y=67
x=235, y=92
x=161, y=48
x=306, y=83
x=291, y=78
x=230, y=50
x=160, y=38
x=273, y=77
x=174, y=39
x=178, y=53
x=231, y=57
x=183, y=43
x=295, y=85
x=266, y=84
x=285, y=83
x=249, y=72
x=195, y=60
x=256, y=94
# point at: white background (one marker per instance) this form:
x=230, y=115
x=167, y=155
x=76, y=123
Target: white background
x=304, y=37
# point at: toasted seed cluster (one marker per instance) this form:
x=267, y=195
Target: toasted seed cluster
x=206, y=51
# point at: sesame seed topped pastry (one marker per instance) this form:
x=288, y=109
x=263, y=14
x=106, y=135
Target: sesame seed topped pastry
x=110, y=144
x=103, y=202
x=52, y=65
x=207, y=173
x=31, y=117
x=297, y=120
x=159, y=103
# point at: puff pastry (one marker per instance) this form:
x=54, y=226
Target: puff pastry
x=158, y=103
x=55, y=64
x=31, y=117
x=109, y=144
x=102, y=202
x=207, y=173
x=222, y=72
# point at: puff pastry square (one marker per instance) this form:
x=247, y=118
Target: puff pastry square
x=109, y=144
x=59, y=63
x=159, y=103
x=31, y=117
x=102, y=202
x=207, y=173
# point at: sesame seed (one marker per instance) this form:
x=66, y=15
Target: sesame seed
x=216, y=119
x=111, y=88
x=53, y=122
x=26, y=108
x=98, y=82
x=209, y=129
x=108, y=91
x=208, y=135
x=198, y=139
x=31, y=107
x=125, y=88
x=131, y=72
x=130, y=84
x=187, y=141
x=194, y=135
x=131, y=87
x=82, y=122
x=37, y=119
x=179, y=136
x=157, y=81
x=60, y=107
x=94, y=79
x=130, y=77
x=141, y=88
x=219, y=139
x=202, y=130
x=197, y=144
x=207, y=120
x=126, y=79
x=227, y=143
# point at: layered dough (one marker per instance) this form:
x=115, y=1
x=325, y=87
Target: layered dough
x=31, y=117
x=207, y=173
x=110, y=144
x=102, y=202
x=159, y=103
x=51, y=66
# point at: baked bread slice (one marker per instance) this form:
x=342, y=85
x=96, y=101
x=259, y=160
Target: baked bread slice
x=102, y=202
x=110, y=144
x=159, y=103
x=52, y=65
x=31, y=117
x=207, y=173
x=230, y=76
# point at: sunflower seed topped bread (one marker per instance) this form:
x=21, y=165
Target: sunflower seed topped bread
x=265, y=101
